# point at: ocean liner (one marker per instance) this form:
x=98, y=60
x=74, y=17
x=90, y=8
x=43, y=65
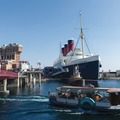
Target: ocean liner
x=71, y=56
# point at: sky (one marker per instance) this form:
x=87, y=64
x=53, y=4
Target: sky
x=41, y=25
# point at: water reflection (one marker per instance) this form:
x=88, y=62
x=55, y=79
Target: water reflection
x=32, y=103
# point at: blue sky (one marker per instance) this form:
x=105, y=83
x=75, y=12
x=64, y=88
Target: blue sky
x=40, y=26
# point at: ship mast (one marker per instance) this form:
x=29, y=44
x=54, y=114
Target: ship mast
x=60, y=51
x=82, y=36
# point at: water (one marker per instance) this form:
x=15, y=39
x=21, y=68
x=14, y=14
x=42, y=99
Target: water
x=32, y=104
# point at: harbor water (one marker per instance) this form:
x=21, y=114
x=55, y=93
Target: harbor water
x=32, y=103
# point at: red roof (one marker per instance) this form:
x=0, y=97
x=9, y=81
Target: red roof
x=5, y=74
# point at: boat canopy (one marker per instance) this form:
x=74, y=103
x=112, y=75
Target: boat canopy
x=114, y=90
x=86, y=88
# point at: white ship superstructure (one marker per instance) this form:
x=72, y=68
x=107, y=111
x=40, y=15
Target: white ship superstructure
x=71, y=56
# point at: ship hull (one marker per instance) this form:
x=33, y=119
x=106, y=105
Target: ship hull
x=88, y=68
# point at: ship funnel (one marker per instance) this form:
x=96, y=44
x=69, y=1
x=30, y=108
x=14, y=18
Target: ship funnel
x=70, y=45
x=65, y=49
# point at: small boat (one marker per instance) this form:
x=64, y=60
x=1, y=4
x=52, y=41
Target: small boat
x=76, y=78
x=101, y=100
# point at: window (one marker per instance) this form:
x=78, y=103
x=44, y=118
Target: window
x=13, y=57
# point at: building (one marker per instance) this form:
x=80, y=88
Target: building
x=118, y=73
x=10, y=56
x=48, y=70
x=110, y=75
x=24, y=65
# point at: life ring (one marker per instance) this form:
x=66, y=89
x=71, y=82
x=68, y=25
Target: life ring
x=87, y=103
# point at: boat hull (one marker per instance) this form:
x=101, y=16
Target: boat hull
x=97, y=110
x=61, y=104
x=88, y=68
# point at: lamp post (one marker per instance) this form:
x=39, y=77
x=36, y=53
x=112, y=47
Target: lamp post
x=28, y=65
x=39, y=65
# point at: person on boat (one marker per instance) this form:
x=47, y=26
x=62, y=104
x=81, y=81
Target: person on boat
x=63, y=95
x=97, y=98
x=81, y=96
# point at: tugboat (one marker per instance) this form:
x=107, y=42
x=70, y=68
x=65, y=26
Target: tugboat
x=100, y=100
x=76, y=78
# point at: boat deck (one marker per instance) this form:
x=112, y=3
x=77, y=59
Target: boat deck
x=109, y=90
x=115, y=107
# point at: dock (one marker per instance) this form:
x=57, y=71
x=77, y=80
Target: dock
x=18, y=79
x=6, y=76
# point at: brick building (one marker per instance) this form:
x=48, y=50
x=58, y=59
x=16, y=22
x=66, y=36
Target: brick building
x=10, y=56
